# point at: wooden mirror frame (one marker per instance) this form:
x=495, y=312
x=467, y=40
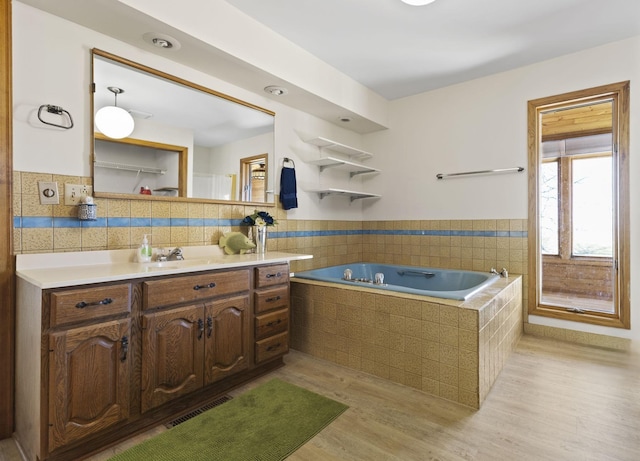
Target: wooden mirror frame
x=183, y=166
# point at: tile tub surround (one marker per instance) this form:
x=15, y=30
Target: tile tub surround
x=451, y=349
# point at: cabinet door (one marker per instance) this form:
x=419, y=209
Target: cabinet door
x=172, y=354
x=228, y=337
x=89, y=380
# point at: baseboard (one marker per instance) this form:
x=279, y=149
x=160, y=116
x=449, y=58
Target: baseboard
x=578, y=337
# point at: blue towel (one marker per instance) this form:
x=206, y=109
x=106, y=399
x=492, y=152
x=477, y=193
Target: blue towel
x=288, y=192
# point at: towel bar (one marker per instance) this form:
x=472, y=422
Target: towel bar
x=517, y=169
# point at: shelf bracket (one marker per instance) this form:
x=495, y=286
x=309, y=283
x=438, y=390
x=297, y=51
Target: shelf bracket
x=324, y=167
x=356, y=173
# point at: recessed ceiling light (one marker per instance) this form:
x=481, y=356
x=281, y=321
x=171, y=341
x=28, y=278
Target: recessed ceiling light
x=418, y=2
x=276, y=90
x=164, y=41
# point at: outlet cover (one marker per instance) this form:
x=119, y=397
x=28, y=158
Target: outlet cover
x=75, y=193
x=48, y=193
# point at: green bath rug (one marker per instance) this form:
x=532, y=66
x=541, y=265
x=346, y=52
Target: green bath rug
x=267, y=423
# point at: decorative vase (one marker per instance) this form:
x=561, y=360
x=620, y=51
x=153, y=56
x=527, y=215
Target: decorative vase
x=260, y=239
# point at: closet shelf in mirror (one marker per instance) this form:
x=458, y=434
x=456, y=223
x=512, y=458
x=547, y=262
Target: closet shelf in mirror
x=128, y=167
x=353, y=168
x=327, y=144
x=353, y=195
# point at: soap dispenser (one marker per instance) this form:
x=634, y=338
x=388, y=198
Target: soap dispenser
x=145, y=251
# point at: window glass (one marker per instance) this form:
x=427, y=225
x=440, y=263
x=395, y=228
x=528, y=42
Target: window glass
x=592, y=206
x=549, y=208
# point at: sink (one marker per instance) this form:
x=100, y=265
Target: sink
x=161, y=266
x=168, y=265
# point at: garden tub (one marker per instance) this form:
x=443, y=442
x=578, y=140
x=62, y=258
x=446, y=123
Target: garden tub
x=440, y=283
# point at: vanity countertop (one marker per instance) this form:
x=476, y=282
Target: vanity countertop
x=54, y=270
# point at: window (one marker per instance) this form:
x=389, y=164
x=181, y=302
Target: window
x=578, y=214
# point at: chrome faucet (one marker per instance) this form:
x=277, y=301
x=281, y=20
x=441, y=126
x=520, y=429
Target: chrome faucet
x=175, y=254
x=502, y=273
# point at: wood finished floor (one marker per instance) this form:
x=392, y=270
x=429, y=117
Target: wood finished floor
x=552, y=401
x=577, y=301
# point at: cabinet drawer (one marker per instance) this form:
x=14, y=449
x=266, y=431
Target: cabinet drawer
x=272, y=347
x=272, y=298
x=176, y=290
x=272, y=323
x=71, y=306
x=272, y=275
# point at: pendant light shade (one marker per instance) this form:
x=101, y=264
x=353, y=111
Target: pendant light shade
x=259, y=173
x=113, y=121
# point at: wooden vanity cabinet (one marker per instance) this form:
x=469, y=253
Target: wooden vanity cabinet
x=89, y=361
x=190, y=346
x=271, y=310
x=110, y=359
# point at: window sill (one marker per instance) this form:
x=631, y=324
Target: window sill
x=606, y=320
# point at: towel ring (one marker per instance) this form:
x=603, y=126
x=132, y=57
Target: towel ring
x=51, y=109
x=288, y=160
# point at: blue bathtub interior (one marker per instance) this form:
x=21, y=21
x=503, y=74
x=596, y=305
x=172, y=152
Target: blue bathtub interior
x=440, y=283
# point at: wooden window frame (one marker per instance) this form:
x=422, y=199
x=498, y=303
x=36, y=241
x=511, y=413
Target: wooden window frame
x=619, y=94
x=565, y=215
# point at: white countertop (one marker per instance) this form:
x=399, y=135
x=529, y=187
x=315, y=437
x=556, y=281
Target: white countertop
x=54, y=270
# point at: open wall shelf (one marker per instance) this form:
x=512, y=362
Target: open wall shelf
x=335, y=162
x=353, y=195
x=331, y=161
x=334, y=146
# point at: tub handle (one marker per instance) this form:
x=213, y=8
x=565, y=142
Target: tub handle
x=417, y=273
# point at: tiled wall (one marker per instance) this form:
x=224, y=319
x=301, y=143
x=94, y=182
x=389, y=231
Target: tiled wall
x=463, y=244
x=467, y=244
x=456, y=244
x=452, y=352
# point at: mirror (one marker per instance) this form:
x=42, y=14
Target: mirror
x=188, y=141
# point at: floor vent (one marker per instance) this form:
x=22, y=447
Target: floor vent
x=197, y=411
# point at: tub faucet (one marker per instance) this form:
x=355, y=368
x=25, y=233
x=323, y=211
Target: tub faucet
x=175, y=255
x=502, y=273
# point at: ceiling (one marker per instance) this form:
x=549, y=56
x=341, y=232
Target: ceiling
x=399, y=50
x=392, y=48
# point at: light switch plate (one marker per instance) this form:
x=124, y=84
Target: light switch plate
x=75, y=193
x=48, y=193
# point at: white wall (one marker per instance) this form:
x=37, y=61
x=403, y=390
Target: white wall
x=482, y=125
x=475, y=125
x=52, y=66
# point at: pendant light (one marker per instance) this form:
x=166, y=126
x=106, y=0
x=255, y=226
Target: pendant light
x=113, y=121
x=259, y=173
